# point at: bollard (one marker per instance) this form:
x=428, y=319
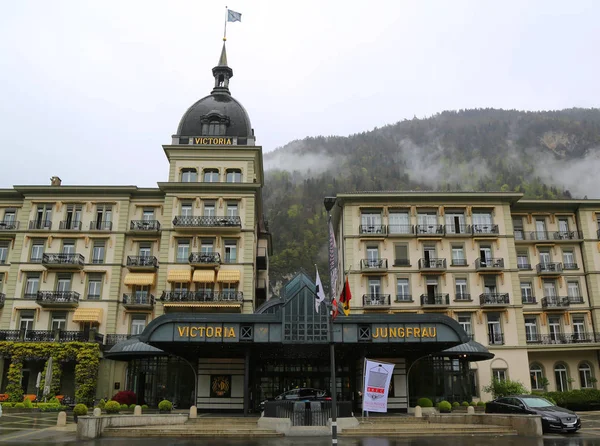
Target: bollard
x=62, y=418
x=193, y=412
x=137, y=410
x=418, y=412
x=97, y=412
x=470, y=410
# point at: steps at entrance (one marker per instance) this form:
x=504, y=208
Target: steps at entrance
x=409, y=427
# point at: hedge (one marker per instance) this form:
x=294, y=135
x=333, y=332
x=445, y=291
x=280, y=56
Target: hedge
x=583, y=399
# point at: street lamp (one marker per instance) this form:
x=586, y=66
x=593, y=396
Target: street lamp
x=329, y=202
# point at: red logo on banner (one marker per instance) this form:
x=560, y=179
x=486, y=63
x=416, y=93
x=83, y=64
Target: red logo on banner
x=375, y=389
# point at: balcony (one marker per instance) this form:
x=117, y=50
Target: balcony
x=567, y=235
x=433, y=265
x=404, y=298
x=485, y=230
x=495, y=338
x=63, y=261
x=457, y=230
x=192, y=223
x=210, y=259
x=57, y=299
x=2, y=299
x=494, y=300
x=463, y=297
x=400, y=230
x=555, y=302
x=101, y=226
x=458, y=262
x=69, y=225
x=142, y=263
x=549, y=269
x=576, y=299
x=489, y=264
x=376, y=230
x=45, y=336
x=528, y=300
x=562, y=338
x=144, y=226
x=9, y=225
x=376, y=301
x=570, y=266
x=40, y=225
x=401, y=262
x=202, y=296
x=524, y=266
x=429, y=230
x=138, y=301
x=261, y=259
x=435, y=300
x=373, y=265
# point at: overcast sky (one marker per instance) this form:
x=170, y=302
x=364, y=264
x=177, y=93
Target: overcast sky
x=89, y=91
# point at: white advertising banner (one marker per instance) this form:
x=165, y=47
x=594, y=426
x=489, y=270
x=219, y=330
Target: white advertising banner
x=378, y=376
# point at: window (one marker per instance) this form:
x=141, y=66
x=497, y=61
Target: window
x=186, y=209
x=531, y=331
x=32, y=285
x=537, y=377
x=183, y=250
x=98, y=251
x=141, y=293
x=232, y=209
x=523, y=260
x=474, y=383
x=578, y=325
x=3, y=252
x=213, y=128
x=372, y=256
x=234, y=175
x=1, y=281
x=374, y=286
x=485, y=255
x=518, y=227
x=94, y=289
x=554, y=328
x=585, y=376
x=464, y=319
x=68, y=247
x=37, y=251
x=455, y=223
x=103, y=217
x=569, y=259
x=229, y=291
x=73, y=217
x=230, y=251
x=427, y=223
x=138, y=323
x=499, y=374
x=401, y=255
x=458, y=256
x=189, y=175
x=63, y=283
x=148, y=214
x=495, y=335
x=10, y=215
x=209, y=208
x=26, y=321
x=561, y=377
x=563, y=226
x=545, y=257
x=399, y=223
x=550, y=289
x=540, y=229
x=370, y=222
x=211, y=176
x=573, y=292
x=43, y=217
x=489, y=285
x=462, y=292
x=403, y=290
x=180, y=287
x=527, y=293
x=482, y=222
x=58, y=321
x=207, y=246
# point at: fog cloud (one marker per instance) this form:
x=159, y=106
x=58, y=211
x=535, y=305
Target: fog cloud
x=298, y=157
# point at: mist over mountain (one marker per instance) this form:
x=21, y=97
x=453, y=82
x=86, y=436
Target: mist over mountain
x=547, y=154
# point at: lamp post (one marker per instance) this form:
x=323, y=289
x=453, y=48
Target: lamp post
x=329, y=202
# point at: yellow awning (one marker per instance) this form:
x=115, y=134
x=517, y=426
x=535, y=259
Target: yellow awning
x=141, y=279
x=179, y=275
x=204, y=276
x=228, y=276
x=88, y=315
x=202, y=304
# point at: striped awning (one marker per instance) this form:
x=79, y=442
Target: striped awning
x=228, y=276
x=179, y=275
x=141, y=279
x=88, y=315
x=204, y=276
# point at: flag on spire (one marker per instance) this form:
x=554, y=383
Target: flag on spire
x=345, y=298
x=320, y=296
x=233, y=16
x=334, y=309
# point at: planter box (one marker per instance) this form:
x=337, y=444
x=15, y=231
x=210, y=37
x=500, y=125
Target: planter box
x=460, y=409
x=480, y=409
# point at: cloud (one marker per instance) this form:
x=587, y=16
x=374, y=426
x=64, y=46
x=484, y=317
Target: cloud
x=297, y=156
x=579, y=176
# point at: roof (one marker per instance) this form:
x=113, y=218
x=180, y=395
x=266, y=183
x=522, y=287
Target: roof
x=124, y=350
x=474, y=351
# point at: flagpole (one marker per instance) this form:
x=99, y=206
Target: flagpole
x=225, y=28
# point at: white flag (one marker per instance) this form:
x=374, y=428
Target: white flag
x=378, y=376
x=320, y=293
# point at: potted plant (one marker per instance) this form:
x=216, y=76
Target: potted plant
x=444, y=407
x=79, y=410
x=480, y=407
x=165, y=406
x=112, y=407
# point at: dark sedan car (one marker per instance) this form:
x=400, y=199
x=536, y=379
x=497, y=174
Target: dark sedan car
x=554, y=418
x=300, y=394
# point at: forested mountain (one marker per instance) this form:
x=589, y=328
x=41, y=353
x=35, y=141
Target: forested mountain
x=551, y=154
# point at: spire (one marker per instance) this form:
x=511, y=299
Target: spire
x=222, y=73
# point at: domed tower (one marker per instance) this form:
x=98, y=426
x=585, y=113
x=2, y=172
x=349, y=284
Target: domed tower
x=216, y=116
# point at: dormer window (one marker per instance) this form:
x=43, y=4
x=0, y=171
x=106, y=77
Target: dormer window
x=214, y=124
x=234, y=176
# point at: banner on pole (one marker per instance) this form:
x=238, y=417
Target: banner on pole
x=378, y=376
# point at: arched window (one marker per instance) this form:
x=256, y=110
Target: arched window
x=562, y=378
x=585, y=376
x=537, y=377
x=234, y=176
x=211, y=176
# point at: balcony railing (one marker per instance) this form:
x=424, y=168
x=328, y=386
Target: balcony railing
x=62, y=260
x=9, y=225
x=401, y=262
x=101, y=226
x=201, y=258
x=524, y=266
x=549, y=268
x=57, y=298
x=202, y=296
x=2, y=299
x=494, y=299
x=567, y=235
x=142, y=262
x=576, y=299
x=458, y=229
x=528, y=300
x=485, y=229
x=462, y=297
x=144, y=225
x=496, y=338
x=376, y=300
x=404, y=298
x=489, y=264
x=430, y=229
x=562, y=338
x=432, y=264
x=401, y=229
x=570, y=266
x=436, y=300
x=373, y=264
x=458, y=262
x=40, y=224
x=69, y=225
x=44, y=335
x=114, y=338
x=182, y=221
x=138, y=300
x=555, y=302
x=372, y=230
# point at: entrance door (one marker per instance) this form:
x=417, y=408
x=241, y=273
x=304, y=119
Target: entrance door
x=25, y=380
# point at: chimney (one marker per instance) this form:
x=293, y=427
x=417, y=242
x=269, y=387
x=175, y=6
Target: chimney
x=55, y=181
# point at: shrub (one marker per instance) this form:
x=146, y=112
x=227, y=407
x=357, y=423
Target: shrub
x=584, y=399
x=464, y=404
x=125, y=397
x=101, y=404
x=444, y=406
x=112, y=407
x=47, y=407
x=27, y=403
x=472, y=404
x=455, y=404
x=124, y=406
x=165, y=406
x=6, y=405
x=19, y=406
x=54, y=400
x=144, y=406
x=480, y=404
x=132, y=406
x=424, y=402
x=500, y=388
x=80, y=410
